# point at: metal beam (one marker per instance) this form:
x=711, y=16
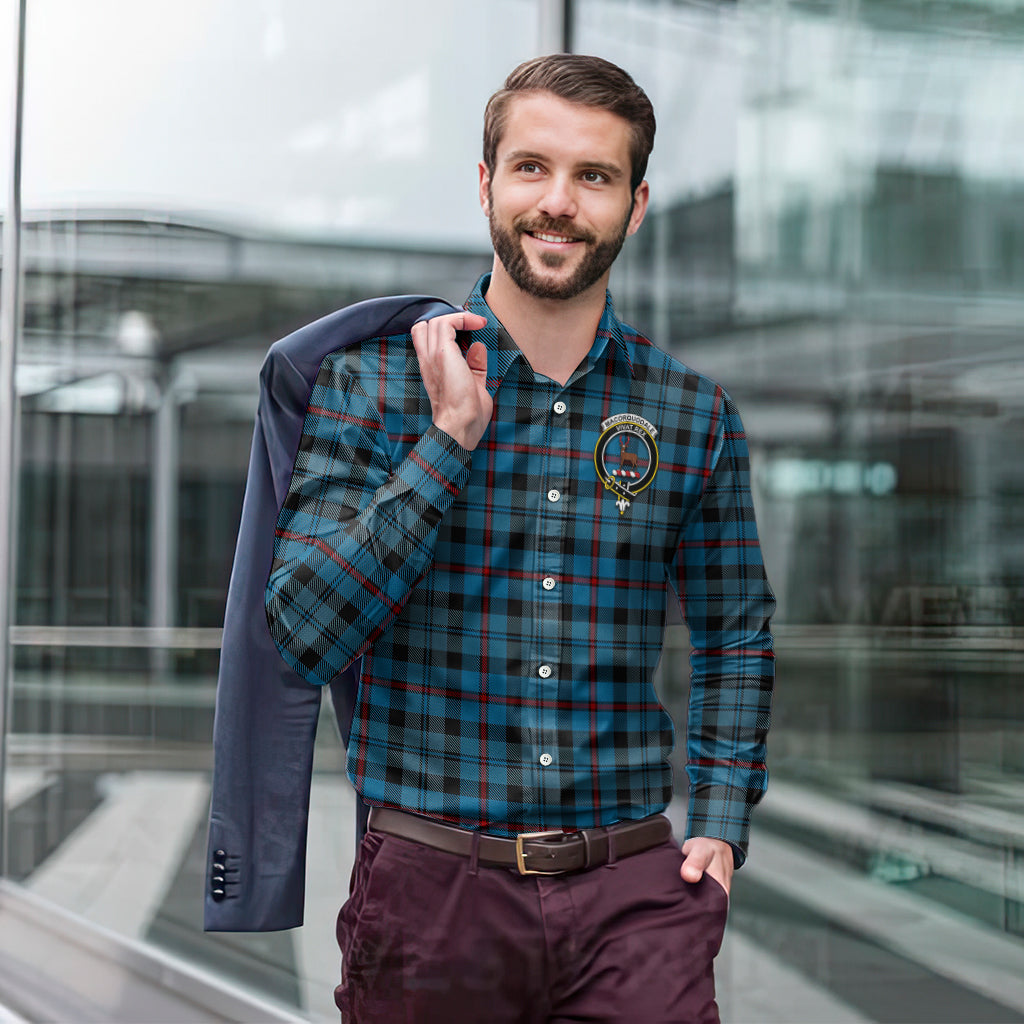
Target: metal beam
x=554, y=24
x=163, y=518
x=10, y=318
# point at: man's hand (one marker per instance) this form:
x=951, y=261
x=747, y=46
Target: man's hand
x=457, y=386
x=711, y=855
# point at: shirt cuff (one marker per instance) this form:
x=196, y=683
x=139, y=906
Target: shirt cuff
x=435, y=471
x=715, y=816
x=449, y=444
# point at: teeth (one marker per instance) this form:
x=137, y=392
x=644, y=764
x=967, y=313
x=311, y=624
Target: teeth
x=551, y=238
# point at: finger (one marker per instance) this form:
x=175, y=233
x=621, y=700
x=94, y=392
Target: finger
x=472, y=321
x=463, y=321
x=695, y=864
x=431, y=338
x=691, y=871
x=477, y=357
x=419, y=334
x=441, y=331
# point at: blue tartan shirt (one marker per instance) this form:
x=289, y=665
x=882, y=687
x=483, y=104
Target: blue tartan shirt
x=509, y=603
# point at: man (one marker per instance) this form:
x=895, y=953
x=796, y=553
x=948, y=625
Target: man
x=492, y=517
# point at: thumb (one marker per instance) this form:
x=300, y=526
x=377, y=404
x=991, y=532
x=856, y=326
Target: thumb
x=477, y=357
x=694, y=865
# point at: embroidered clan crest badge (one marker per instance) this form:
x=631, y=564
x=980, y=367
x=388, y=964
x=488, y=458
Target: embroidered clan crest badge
x=626, y=456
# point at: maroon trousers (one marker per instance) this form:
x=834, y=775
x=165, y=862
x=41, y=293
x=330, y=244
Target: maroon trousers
x=430, y=937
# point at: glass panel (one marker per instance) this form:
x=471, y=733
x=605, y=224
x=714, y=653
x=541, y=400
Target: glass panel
x=8, y=27
x=200, y=179
x=8, y=55
x=836, y=235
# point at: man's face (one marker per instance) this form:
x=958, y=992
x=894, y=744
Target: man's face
x=559, y=202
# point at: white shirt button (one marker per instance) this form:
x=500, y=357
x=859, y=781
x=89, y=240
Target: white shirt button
x=545, y=759
x=549, y=583
x=553, y=495
x=544, y=671
x=559, y=408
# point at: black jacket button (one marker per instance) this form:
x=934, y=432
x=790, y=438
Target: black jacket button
x=217, y=894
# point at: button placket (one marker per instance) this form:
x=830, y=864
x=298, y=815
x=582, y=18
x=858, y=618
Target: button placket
x=554, y=510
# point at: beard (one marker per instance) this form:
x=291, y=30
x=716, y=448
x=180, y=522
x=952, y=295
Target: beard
x=599, y=255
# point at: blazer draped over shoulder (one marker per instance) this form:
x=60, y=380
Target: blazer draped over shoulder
x=266, y=715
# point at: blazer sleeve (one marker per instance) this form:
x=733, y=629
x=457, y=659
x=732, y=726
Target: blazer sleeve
x=266, y=715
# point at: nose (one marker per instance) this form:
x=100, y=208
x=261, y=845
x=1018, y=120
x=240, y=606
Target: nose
x=559, y=198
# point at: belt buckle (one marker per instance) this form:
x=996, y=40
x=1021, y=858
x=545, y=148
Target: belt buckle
x=521, y=855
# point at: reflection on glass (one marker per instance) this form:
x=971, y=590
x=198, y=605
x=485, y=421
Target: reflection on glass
x=8, y=26
x=854, y=278
x=836, y=234
x=200, y=179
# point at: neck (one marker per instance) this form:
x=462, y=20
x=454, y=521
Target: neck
x=553, y=334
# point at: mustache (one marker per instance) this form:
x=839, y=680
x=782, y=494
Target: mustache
x=552, y=226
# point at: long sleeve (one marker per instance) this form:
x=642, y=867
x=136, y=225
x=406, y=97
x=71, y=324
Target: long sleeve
x=727, y=603
x=355, y=533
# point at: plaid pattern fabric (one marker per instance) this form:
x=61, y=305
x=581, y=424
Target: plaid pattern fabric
x=508, y=614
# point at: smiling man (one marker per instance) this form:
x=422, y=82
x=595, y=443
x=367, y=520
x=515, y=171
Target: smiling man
x=493, y=513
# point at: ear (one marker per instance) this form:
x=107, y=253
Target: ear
x=485, y=183
x=640, y=199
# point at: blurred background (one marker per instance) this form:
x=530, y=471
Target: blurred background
x=836, y=234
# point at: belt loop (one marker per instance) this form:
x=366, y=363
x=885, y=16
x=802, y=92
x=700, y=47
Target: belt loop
x=585, y=833
x=474, y=853
x=610, y=833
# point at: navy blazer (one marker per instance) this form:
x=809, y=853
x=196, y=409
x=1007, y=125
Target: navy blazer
x=266, y=715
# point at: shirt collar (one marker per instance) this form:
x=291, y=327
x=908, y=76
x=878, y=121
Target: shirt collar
x=502, y=351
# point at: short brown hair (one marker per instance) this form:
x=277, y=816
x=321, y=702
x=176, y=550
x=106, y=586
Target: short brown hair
x=591, y=81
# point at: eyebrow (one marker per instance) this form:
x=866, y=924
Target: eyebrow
x=611, y=170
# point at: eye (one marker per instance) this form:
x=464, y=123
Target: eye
x=529, y=167
x=594, y=177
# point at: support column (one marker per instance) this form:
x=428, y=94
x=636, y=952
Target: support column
x=554, y=26
x=163, y=544
x=10, y=321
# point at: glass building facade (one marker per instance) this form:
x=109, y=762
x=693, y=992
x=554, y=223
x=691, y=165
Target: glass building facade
x=836, y=234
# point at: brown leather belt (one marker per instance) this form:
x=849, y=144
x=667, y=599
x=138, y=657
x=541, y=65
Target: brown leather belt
x=530, y=853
